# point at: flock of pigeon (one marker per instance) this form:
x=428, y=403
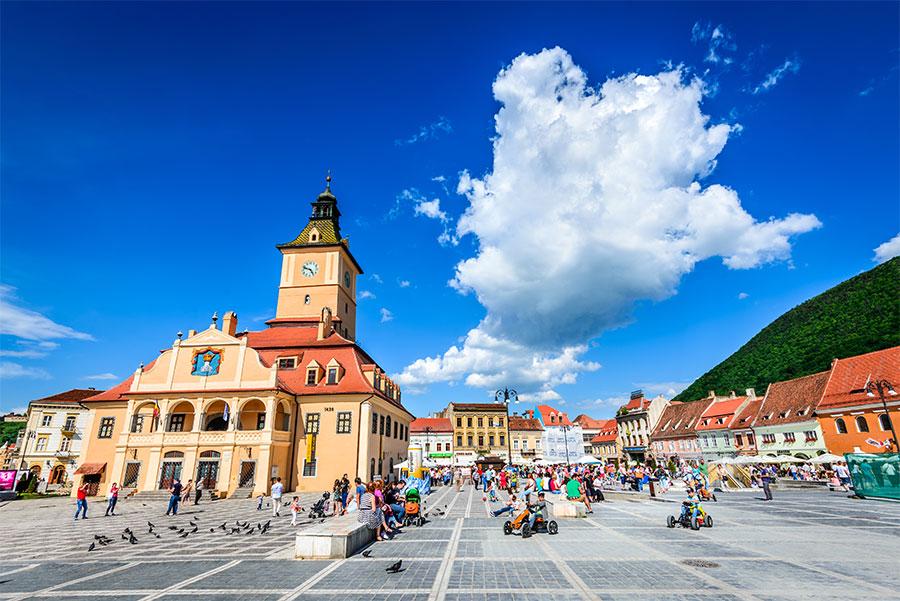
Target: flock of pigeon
x=193, y=528
x=239, y=528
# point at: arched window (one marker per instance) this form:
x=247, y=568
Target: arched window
x=861, y=424
x=174, y=455
x=372, y=470
x=840, y=425
x=884, y=422
x=387, y=426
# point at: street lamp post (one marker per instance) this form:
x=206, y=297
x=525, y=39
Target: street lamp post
x=507, y=394
x=565, y=430
x=881, y=386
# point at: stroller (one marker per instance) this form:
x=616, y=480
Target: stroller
x=318, y=508
x=413, y=508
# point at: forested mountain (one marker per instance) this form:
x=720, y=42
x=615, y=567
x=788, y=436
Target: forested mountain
x=857, y=316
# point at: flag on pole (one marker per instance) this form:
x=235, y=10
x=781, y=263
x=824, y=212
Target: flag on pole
x=225, y=413
x=155, y=408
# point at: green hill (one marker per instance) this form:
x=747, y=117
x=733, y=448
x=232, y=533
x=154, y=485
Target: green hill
x=857, y=316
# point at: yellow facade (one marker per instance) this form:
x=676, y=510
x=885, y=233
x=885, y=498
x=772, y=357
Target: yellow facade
x=479, y=430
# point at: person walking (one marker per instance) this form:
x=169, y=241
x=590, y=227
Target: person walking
x=277, y=491
x=175, y=491
x=369, y=512
x=81, y=502
x=198, y=491
x=766, y=475
x=111, y=499
x=345, y=493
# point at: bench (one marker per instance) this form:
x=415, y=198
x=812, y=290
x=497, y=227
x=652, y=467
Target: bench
x=335, y=538
x=561, y=507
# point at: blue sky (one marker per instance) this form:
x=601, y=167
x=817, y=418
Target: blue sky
x=153, y=155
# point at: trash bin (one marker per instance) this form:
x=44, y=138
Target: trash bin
x=652, y=488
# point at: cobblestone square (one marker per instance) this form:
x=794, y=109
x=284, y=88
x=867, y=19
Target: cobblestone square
x=799, y=546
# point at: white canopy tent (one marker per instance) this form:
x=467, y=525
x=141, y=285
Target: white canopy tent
x=588, y=460
x=826, y=458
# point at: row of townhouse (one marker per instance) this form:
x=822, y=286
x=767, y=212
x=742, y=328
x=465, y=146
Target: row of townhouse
x=849, y=408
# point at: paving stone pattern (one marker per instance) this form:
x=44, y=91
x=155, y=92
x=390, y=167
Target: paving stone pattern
x=810, y=545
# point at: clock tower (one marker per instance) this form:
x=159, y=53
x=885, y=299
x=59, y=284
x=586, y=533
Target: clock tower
x=318, y=271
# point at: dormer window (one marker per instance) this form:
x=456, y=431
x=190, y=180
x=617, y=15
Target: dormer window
x=784, y=413
x=333, y=372
x=312, y=376
x=803, y=411
x=287, y=363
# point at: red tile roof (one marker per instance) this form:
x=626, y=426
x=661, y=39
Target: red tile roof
x=76, y=395
x=719, y=410
x=299, y=341
x=589, y=423
x=846, y=386
x=744, y=418
x=784, y=401
x=436, y=424
x=637, y=404
x=679, y=419
x=608, y=431
x=524, y=424
x=560, y=418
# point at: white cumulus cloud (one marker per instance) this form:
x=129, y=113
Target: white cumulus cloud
x=386, y=315
x=364, y=294
x=743, y=295
x=593, y=203
x=888, y=250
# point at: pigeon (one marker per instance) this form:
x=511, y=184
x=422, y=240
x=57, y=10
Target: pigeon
x=191, y=523
x=133, y=540
x=367, y=553
x=185, y=535
x=395, y=568
x=102, y=542
x=267, y=523
x=156, y=535
x=173, y=527
x=151, y=525
x=223, y=525
x=98, y=537
x=127, y=530
x=180, y=531
x=92, y=547
x=195, y=529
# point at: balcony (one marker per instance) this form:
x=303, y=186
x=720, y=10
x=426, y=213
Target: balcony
x=69, y=430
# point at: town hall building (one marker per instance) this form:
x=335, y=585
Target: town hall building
x=232, y=409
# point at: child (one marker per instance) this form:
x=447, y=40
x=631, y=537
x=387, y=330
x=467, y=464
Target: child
x=259, y=501
x=295, y=510
x=511, y=506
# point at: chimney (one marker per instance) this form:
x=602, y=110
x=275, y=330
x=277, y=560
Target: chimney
x=751, y=392
x=324, y=324
x=712, y=394
x=229, y=323
x=732, y=395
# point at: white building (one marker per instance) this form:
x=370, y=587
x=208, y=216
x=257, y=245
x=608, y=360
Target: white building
x=434, y=435
x=562, y=441
x=51, y=441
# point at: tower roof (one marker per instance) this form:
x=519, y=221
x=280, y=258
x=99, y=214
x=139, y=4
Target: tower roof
x=324, y=227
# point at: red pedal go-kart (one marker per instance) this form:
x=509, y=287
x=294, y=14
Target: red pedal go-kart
x=522, y=522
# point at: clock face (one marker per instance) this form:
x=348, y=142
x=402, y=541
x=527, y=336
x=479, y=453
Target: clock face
x=310, y=268
x=347, y=279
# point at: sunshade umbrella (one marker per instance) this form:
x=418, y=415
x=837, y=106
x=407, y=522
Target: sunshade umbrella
x=588, y=459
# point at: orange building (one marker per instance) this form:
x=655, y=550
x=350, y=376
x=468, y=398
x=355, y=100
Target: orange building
x=853, y=419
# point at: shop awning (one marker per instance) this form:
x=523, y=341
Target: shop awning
x=89, y=469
